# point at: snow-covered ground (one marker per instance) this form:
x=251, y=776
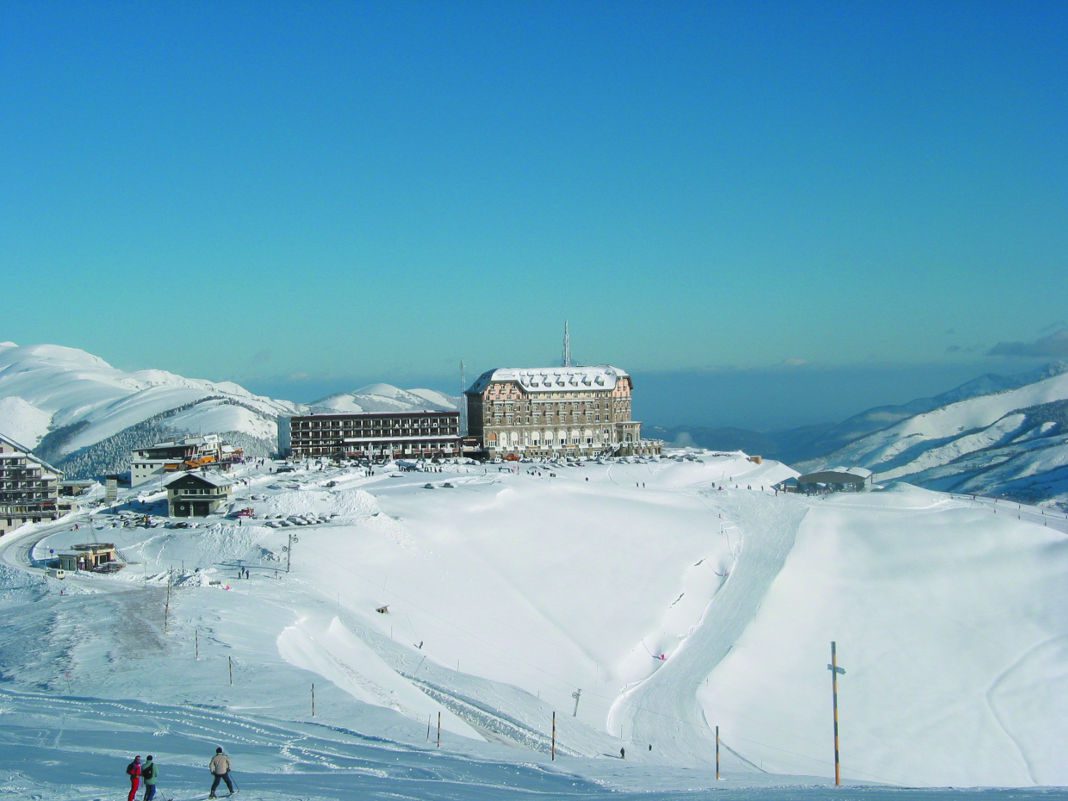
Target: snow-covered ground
x=676, y=595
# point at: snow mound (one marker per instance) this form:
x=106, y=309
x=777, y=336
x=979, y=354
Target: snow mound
x=344, y=503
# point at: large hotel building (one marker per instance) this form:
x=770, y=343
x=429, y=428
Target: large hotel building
x=392, y=435
x=549, y=411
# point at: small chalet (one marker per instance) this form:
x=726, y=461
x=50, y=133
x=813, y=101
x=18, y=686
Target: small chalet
x=197, y=494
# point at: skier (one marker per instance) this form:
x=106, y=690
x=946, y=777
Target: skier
x=622, y=753
x=133, y=770
x=220, y=769
x=149, y=773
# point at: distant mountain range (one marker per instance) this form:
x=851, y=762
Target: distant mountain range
x=995, y=435
x=83, y=415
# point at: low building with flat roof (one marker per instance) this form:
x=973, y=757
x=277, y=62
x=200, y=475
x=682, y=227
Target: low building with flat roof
x=87, y=556
x=833, y=479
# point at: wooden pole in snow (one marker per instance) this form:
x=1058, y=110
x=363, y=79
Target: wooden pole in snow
x=313, y=699
x=553, y=748
x=835, y=670
x=230, y=663
x=717, y=753
x=196, y=644
x=439, y=730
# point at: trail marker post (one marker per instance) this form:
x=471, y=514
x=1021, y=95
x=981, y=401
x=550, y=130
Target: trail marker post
x=313, y=699
x=230, y=664
x=439, y=729
x=835, y=670
x=552, y=750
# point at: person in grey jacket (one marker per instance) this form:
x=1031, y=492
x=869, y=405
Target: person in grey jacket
x=220, y=769
x=148, y=776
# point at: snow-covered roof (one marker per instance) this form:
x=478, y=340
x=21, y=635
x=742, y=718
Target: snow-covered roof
x=550, y=379
x=215, y=479
x=835, y=475
x=24, y=452
x=856, y=471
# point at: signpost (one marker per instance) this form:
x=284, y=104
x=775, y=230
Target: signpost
x=835, y=670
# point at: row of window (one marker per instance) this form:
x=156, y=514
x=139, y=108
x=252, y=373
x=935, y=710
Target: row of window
x=305, y=425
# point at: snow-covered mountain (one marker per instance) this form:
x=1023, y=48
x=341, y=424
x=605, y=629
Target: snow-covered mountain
x=83, y=415
x=1012, y=441
x=386, y=398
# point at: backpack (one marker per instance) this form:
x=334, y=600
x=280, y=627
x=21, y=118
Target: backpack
x=130, y=768
x=148, y=771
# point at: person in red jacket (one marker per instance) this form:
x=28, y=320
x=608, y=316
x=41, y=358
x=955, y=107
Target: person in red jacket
x=133, y=770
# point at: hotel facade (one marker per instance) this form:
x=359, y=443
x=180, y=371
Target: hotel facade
x=370, y=435
x=554, y=411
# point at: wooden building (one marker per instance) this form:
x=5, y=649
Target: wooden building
x=29, y=487
x=196, y=494
x=555, y=411
x=373, y=435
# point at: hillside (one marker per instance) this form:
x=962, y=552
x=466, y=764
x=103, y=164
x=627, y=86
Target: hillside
x=384, y=398
x=1011, y=443
x=85, y=416
x=675, y=594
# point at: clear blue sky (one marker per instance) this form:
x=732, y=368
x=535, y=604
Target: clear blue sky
x=320, y=193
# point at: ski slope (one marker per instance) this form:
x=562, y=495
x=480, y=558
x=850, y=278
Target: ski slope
x=677, y=595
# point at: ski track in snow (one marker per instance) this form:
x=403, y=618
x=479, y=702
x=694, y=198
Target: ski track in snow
x=663, y=709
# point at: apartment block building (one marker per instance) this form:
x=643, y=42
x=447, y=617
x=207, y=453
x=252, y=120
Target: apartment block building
x=372, y=435
x=551, y=411
x=29, y=487
x=166, y=458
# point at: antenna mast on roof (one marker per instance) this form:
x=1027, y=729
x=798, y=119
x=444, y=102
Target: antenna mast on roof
x=567, y=346
x=463, y=402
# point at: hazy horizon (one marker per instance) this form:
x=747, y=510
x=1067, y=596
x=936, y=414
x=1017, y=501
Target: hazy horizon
x=758, y=400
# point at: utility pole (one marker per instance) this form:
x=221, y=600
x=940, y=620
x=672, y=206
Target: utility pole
x=289, y=550
x=463, y=402
x=167, y=604
x=717, y=752
x=835, y=670
x=576, y=695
